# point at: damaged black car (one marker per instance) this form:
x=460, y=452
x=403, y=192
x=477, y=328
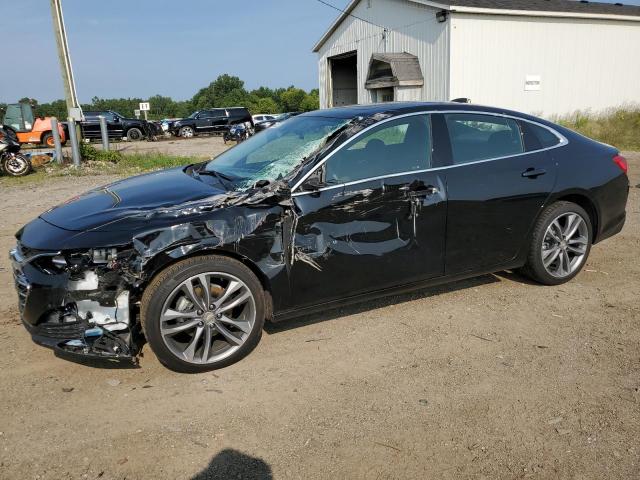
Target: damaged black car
x=327, y=208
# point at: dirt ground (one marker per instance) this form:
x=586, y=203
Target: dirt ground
x=489, y=378
x=205, y=146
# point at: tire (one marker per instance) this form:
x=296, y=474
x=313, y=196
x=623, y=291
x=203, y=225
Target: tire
x=134, y=134
x=186, y=132
x=551, y=249
x=47, y=140
x=171, y=338
x=16, y=165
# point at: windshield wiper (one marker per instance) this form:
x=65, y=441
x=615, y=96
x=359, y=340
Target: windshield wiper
x=225, y=180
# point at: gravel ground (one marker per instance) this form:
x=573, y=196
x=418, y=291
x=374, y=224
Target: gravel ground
x=488, y=378
x=205, y=146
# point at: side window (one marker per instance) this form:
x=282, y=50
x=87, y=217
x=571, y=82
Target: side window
x=397, y=146
x=536, y=137
x=545, y=137
x=480, y=137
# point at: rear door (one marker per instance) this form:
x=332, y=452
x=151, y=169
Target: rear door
x=497, y=184
x=115, y=125
x=91, y=125
x=219, y=119
x=378, y=222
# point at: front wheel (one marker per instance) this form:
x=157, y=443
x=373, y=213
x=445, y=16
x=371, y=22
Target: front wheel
x=186, y=132
x=203, y=313
x=16, y=165
x=560, y=244
x=47, y=140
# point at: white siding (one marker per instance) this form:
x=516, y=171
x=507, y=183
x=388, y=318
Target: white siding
x=415, y=30
x=583, y=64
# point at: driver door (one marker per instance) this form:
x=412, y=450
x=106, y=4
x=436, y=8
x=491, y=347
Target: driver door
x=372, y=217
x=203, y=121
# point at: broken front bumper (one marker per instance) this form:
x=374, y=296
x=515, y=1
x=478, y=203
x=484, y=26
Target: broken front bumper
x=79, y=316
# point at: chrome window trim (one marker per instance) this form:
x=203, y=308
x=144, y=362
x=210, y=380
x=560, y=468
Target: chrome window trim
x=563, y=141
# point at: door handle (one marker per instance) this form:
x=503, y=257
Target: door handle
x=533, y=172
x=419, y=192
x=424, y=192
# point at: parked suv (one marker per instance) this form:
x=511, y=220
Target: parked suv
x=117, y=126
x=215, y=120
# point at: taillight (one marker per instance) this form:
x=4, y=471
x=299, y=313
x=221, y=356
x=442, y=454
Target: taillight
x=621, y=162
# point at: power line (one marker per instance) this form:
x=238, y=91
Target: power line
x=387, y=30
x=351, y=14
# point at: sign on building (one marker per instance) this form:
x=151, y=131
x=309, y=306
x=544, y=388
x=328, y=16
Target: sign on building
x=531, y=82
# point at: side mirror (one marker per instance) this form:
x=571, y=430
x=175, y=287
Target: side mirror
x=312, y=184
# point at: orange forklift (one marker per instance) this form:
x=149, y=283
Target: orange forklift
x=19, y=117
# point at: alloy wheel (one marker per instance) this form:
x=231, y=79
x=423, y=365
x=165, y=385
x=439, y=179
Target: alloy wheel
x=16, y=165
x=565, y=244
x=186, y=132
x=207, y=317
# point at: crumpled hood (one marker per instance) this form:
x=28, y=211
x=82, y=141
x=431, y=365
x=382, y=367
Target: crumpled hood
x=132, y=196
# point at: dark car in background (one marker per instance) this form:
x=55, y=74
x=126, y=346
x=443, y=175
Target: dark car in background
x=118, y=126
x=214, y=120
x=260, y=126
x=331, y=207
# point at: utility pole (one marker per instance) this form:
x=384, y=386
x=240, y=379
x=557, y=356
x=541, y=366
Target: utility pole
x=73, y=106
x=65, y=60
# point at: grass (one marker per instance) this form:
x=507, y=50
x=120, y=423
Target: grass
x=619, y=127
x=120, y=165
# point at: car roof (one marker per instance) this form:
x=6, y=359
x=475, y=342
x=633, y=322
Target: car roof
x=400, y=108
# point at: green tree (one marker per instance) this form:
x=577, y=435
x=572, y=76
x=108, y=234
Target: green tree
x=224, y=91
x=292, y=99
x=310, y=102
x=266, y=105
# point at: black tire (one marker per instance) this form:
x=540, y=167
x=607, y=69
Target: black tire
x=134, y=134
x=168, y=280
x=47, y=140
x=534, y=268
x=16, y=165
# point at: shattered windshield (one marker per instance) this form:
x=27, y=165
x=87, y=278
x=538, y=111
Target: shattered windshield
x=276, y=152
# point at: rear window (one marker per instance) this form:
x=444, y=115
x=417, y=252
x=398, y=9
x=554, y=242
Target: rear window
x=477, y=137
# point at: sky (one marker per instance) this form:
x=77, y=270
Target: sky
x=140, y=48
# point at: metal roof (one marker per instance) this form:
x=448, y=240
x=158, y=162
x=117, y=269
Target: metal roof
x=405, y=69
x=565, y=6
x=550, y=8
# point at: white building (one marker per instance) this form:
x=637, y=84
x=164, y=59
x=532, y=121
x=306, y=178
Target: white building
x=546, y=57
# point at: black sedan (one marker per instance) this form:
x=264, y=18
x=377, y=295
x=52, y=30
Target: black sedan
x=332, y=207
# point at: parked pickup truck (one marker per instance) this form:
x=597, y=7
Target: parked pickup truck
x=117, y=126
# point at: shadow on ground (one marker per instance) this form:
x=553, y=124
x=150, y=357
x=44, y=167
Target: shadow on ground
x=231, y=464
x=332, y=314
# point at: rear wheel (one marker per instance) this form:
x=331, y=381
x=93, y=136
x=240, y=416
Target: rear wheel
x=134, y=134
x=203, y=313
x=16, y=165
x=560, y=245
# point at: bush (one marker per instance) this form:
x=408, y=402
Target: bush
x=619, y=127
x=90, y=153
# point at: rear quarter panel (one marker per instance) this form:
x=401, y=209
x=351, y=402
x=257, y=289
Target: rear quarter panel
x=586, y=168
